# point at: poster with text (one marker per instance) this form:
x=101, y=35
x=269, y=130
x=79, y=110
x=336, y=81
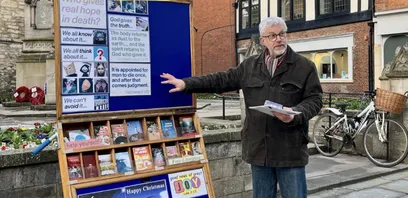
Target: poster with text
x=187, y=184
x=155, y=189
x=130, y=79
x=77, y=103
x=77, y=53
x=83, y=13
x=129, y=39
x=83, y=36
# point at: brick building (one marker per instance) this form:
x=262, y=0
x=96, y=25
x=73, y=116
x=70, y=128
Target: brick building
x=334, y=34
x=214, y=39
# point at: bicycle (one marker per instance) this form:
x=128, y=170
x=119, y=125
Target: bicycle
x=378, y=127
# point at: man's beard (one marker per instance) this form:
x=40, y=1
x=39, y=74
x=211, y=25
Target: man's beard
x=279, y=53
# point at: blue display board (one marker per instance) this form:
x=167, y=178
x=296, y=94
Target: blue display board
x=112, y=53
x=184, y=184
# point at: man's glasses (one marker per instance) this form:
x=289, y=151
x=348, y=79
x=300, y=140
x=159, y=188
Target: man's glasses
x=273, y=36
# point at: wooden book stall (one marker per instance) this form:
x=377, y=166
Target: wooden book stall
x=121, y=133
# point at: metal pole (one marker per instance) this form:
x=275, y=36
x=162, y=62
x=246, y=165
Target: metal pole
x=223, y=107
x=330, y=101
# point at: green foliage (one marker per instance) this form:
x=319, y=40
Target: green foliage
x=354, y=103
x=6, y=97
x=19, y=137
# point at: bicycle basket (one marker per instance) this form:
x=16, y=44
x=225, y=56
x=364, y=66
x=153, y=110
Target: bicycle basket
x=389, y=101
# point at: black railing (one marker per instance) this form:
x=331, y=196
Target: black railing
x=224, y=96
x=355, y=100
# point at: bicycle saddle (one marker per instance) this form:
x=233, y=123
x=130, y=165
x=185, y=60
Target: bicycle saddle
x=342, y=106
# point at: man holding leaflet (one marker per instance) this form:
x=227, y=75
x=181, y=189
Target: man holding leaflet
x=274, y=146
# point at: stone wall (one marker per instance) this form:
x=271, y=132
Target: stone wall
x=23, y=175
x=11, y=35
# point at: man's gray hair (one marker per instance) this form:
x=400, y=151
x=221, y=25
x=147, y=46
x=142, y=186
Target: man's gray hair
x=271, y=21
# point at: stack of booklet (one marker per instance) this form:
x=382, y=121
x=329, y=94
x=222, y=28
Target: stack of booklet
x=269, y=107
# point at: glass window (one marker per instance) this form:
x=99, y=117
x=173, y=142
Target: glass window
x=332, y=6
x=292, y=9
x=298, y=9
x=249, y=14
x=330, y=64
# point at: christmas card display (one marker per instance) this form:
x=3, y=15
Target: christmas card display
x=123, y=163
x=119, y=134
x=90, y=168
x=79, y=137
x=153, y=130
x=102, y=132
x=196, y=147
x=158, y=157
x=133, y=146
x=135, y=131
x=106, y=165
x=143, y=158
x=185, y=149
x=168, y=129
x=79, y=134
x=172, y=151
x=74, y=167
x=187, y=126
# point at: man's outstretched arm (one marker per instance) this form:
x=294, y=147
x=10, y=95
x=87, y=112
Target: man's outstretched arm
x=211, y=83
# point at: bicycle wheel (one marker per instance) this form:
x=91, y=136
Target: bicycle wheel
x=328, y=142
x=393, y=149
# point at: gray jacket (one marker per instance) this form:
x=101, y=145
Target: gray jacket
x=267, y=141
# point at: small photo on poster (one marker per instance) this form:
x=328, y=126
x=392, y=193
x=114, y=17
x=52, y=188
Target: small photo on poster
x=85, y=69
x=101, y=69
x=99, y=37
x=101, y=53
x=101, y=102
x=101, y=85
x=69, y=69
x=69, y=86
x=128, y=6
x=141, y=7
x=142, y=24
x=114, y=6
x=76, y=69
x=85, y=85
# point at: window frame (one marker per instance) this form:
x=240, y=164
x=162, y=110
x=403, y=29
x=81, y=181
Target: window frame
x=332, y=13
x=248, y=29
x=291, y=11
x=330, y=80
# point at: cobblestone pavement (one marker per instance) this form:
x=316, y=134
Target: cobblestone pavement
x=390, y=186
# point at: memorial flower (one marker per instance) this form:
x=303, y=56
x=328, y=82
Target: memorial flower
x=22, y=138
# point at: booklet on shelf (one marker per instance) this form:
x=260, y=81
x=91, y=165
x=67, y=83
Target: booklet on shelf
x=269, y=107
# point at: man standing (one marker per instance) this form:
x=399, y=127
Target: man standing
x=274, y=146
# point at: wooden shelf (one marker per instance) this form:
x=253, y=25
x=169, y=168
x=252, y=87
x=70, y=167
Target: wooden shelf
x=114, y=146
x=136, y=174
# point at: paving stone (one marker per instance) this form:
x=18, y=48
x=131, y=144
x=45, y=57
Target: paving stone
x=399, y=185
x=331, y=193
x=367, y=184
x=396, y=176
x=373, y=192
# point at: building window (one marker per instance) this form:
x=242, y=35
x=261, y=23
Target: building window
x=249, y=13
x=331, y=64
x=333, y=6
x=292, y=9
